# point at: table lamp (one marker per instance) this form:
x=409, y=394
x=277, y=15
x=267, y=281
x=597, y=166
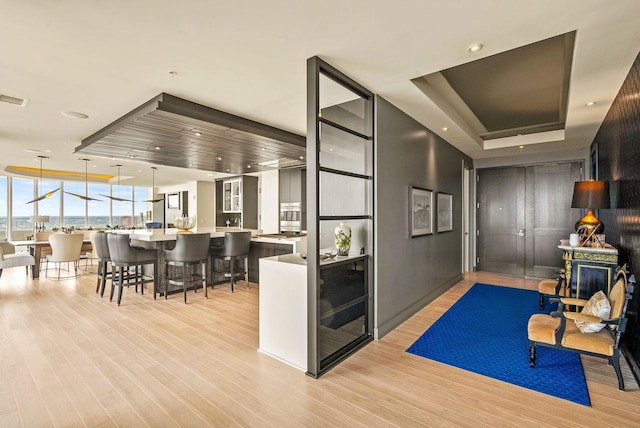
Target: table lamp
x=591, y=195
x=39, y=221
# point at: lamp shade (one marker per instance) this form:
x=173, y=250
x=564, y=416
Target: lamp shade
x=39, y=219
x=591, y=194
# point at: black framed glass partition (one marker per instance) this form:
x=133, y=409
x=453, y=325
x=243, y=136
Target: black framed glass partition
x=339, y=215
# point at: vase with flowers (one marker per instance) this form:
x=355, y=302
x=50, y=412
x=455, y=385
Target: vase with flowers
x=342, y=239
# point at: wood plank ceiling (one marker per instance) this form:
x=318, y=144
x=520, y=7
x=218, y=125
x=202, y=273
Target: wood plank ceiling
x=168, y=130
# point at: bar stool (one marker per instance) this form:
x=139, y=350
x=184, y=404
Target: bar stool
x=190, y=253
x=123, y=255
x=101, y=247
x=236, y=247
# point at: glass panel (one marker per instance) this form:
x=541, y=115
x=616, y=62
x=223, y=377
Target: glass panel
x=140, y=208
x=343, y=305
x=342, y=195
x=98, y=210
x=74, y=207
x=122, y=211
x=345, y=152
x=22, y=192
x=3, y=208
x=359, y=235
x=338, y=104
x=50, y=206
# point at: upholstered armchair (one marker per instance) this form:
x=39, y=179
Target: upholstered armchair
x=583, y=333
x=15, y=259
x=553, y=288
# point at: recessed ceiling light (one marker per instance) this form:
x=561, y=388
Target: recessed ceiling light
x=157, y=147
x=198, y=134
x=219, y=158
x=590, y=103
x=301, y=157
x=139, y=170
x=210, y=175
x=74, y=114
x=32, y=150
x=173, y=73
x=20, y=102
x=248, y=166
x=48, y=150
x=263, y=148
x=228, y=170
x=190, y=163
x=521, y=147
x=445, y=129
x=475, y=47
x=331, y=149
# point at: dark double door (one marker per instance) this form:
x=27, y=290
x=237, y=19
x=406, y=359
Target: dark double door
x=522, y=214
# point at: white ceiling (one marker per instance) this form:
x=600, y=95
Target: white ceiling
x=249, y=58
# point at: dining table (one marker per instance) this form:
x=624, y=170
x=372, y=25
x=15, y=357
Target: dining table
x=38, y=249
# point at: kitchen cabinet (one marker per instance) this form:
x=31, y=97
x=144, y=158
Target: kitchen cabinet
x=291, y=185
x=232, y=196
x=237, y=202
x=293, y=188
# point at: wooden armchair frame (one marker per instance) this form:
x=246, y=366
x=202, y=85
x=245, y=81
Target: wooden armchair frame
x=544, y=330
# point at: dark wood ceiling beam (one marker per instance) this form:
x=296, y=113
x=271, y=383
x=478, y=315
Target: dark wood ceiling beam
x=170, y=123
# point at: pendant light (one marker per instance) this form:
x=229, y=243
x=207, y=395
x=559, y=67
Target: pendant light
x=114, y=198
x=86, y=186
x=153, y=185
x=48, y=194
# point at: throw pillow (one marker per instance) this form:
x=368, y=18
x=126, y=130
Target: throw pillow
x=598, y=306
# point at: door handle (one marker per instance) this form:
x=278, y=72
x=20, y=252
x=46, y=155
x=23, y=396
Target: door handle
x=521, y=232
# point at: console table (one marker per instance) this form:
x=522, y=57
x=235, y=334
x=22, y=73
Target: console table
x=589, y=269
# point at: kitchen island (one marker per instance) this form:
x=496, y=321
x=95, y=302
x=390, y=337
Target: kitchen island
x=261, y=246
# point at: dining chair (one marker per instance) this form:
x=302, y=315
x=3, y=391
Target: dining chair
x=65, y=247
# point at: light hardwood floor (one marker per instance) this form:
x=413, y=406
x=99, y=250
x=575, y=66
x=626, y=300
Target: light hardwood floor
x=70, y=358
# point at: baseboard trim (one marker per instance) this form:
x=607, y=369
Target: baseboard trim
x=381, y=330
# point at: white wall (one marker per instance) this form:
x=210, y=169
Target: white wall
x=205, y=203
x=192, y=208
x=268, y=205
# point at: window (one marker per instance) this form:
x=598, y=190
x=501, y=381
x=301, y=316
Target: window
x=140, y=208
x=22, y=192
x=51, y=205
x=122, y=211
x=4, y=204
x=74, y=208
x=98, y=211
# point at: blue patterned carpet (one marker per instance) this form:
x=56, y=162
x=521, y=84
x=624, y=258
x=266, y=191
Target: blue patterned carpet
x=485, y=332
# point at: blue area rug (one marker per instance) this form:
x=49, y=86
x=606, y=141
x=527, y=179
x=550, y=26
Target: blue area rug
x=485, y=332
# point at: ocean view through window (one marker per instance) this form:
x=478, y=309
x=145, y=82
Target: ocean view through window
x=77, y=213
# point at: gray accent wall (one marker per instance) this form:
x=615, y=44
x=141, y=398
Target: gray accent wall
x=411, y=272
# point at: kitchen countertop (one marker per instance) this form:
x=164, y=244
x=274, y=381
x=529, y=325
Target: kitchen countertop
x=155, y=235
x=296, y=259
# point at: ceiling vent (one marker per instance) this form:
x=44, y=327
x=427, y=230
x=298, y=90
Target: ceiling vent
x=22, y=102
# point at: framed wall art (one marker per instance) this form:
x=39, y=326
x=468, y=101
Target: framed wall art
x=445, y=212
x=421, y=208
x=173, y=201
